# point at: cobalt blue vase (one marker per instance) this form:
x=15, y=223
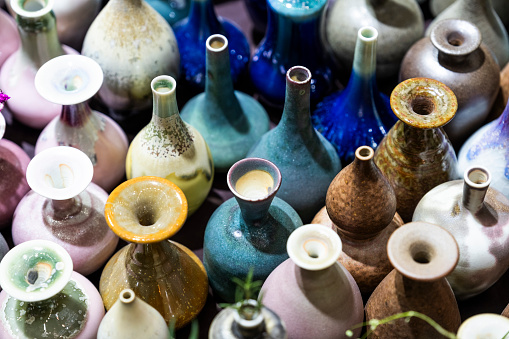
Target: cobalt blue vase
x=171, y=10
x=359, y=115
x=292, y=38
x=192, y=33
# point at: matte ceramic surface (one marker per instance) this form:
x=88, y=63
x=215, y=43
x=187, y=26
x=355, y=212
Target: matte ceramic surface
x=292, y=38
x=8, y=35
x=229, y=121
x=485, y=325
x=171, y=10
x=438, y=6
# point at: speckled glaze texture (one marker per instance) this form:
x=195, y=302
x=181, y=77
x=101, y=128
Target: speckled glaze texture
x=8, y=35
x=454, y=55
x=359, y=115
x=400, y=23
x=483, y=16
x=171, y=10
x=307, y=161
x=292, y=38
x=416, y=154
x=480, y=225
x=192, y=33
x=229, y=121
x=422, y=254
x=168, y=276
x=133, y=44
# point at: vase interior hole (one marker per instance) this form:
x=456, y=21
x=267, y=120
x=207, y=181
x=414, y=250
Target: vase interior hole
x=365, y=153
x=217, y=43
x=32, y=5
x=421, y=252
x=478, y=176
x=422, y=105
x=146, y=214
x=368, y=33
x=299, y=74
x=255, y=185
x=60, y=179
x=39, y=274
x=72, y=83
x=455, y=39
x=248, y=311
x=163, y=86
x=315, y=248
x=127, y=296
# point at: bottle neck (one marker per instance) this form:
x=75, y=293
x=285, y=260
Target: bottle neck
x=75, y=115
x=203, y=17
x=296, y=118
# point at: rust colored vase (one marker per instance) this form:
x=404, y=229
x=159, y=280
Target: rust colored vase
x=422, y=254
x=361, y=208
x=416, y=155
x=147, y=211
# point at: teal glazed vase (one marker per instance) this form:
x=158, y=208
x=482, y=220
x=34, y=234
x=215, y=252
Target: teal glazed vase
x=249, y=230
x=307, y=161
x=292, y=38
x=171, y=10
x=229, y=121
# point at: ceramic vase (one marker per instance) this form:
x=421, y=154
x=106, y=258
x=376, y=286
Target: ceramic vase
x=483, y=16
x=358, y=115
x=229, y=121
x=257, y=11
x=8, y=35
x=66, y=208
x=438, y=6
x=314, y=295
x=363, y=225
x=478, y=217
x=39, y=44
x=70, y=81
x=489, y=147
x=454, y=55
x=192, y=34
x=505, y=312
x=233, y=323
x=292, y=38
x=416, y=154
x=307, y=161
x=254, y=225
x=484, y=325
x=146, y=211
x=43, y=297
x=169, y=148
x=399, y=23
x=171, y=10
x=131, y=317
x=133, y=44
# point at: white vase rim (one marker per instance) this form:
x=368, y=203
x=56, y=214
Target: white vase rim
x=47, y=6
x=217, y=37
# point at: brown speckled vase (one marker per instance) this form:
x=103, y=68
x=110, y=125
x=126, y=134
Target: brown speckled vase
x=362, y=205
x=416, y=154
x=422, y=254
x=168, y=276
x=453, y=54
x=505, y=312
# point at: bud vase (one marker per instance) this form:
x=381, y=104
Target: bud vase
x=422, y=255
x=416, y=154
x=171, y=10
x=39, y=44
x=254, y=225
x=229, y=121
x=8, y=36
x=361, y=208
x=359, y=115
x=43, y=298
x=478, y=217
x=307, y=161
x=146, y=211
x=66, y=208
x=169, y=148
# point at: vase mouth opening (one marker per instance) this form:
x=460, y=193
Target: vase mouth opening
x=485, y=325
x=127, y=296
x=455, y=37
x=364, y=153
x=217, y=43
x=32, y=8
x=299, y=75
x=254, y=179
x=164, y=85
x=477, y=177
x=422, y=105
x=367, y=34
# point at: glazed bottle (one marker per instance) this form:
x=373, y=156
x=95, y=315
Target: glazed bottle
x=254, y=225
x=233, y=323
x=71, y=80
x=292, y=38
x=146, y=211
x=307, y=161
x=39, y=44
x=361, y=208
x=192, y=34
x=8, y=35
x=453, y=54
x=131, y=317
x=358, y=115
x=483, y=16
x=133, y=44
x=312, y=293
x=66, y=208
x=477, y=216
x=169, y=148
x=422, y=255
x=229, y=121
x=399, y=23
x=43, y=296
x=489, y=147
x=171, y=10
x=416, y=154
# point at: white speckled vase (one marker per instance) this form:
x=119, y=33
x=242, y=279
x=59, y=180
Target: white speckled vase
x=43, y=297
x=484, y=325
x=66, y=208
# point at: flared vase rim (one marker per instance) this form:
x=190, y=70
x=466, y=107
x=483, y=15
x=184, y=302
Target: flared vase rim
x=47, y=7
x=448, y=37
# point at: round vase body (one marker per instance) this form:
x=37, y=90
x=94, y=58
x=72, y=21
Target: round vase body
x=8, y=35
x=171, y=10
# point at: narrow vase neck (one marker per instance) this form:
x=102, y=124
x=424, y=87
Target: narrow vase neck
x=165, y=105
x=203, y=16
x=75, y=115
x=126, y=3
x=312, y=280
x=503, y=122
x=478, y=7
x=57, y=212
x=473, y=196
x=414, y=139
x=254, y=213
x=296, y=118
x=155, y=258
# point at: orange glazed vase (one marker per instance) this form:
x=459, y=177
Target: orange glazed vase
x=146, y=211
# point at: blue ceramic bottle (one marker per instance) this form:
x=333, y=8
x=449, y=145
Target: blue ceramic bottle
x=359, y=115
x=249, y=230
x=229, y=121
x=292, y=38
x=191, y=34
x=171, y=10
x=307, y=161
